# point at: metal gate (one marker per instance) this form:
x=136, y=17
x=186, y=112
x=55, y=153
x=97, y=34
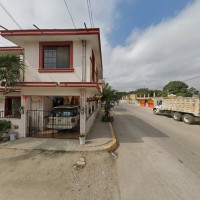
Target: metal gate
x=46, y=124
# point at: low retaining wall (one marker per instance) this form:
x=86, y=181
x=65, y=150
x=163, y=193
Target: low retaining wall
x=91, y=119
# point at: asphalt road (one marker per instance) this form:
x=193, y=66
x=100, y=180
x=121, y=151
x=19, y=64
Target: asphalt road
x=159, y=158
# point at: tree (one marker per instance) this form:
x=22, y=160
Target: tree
x=146, y=92
x=141, y=92
x=10, y=67
x=110, y=97
x=193, y=92
x=178, y=88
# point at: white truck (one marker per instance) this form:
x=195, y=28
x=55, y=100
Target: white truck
x=180, y=108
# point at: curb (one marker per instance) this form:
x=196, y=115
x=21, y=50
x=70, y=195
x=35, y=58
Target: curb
x=113, y=144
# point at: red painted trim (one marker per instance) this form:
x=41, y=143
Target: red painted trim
x=32, y=32
x=93, y=66
x=78, y=84
x=37, y=84
x=81, y=84
x=41, y=57
x=11, y=48
x=49, y=32
x=15, y=90
x=57, y=70
x=13, y=97
x=6, y=103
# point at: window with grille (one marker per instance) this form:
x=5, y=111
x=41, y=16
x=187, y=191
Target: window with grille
x=56, y=57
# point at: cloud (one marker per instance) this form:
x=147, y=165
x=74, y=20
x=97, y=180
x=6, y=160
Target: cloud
x=54, y=14
x=161, y=53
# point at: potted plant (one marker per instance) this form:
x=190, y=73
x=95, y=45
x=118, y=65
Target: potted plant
x=82, y=139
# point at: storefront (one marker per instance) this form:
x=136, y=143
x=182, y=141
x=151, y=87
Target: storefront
x=146, y=101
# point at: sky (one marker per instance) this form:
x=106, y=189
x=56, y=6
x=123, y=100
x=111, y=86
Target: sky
x=145, y=43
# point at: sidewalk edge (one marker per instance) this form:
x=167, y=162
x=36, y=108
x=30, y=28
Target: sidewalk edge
x=113, y=144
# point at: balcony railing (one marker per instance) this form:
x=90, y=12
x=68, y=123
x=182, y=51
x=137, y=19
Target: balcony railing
x=10, y=114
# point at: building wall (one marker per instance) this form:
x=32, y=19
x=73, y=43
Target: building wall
x=147, y=103
x=90, y=120
x=32, y=62
x=55, y=91
x=47, y=104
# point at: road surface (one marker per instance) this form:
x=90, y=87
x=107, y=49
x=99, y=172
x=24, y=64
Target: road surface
x=159, y=158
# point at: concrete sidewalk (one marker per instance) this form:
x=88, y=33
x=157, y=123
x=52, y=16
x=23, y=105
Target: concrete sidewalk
x=98, y=137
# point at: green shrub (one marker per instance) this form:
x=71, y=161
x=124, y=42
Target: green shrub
x=107, y=119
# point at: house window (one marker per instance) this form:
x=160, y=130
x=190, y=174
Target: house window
x=56, y=57
x=12, y=106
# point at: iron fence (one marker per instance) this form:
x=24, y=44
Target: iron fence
x=9, y=114
x=52, y=125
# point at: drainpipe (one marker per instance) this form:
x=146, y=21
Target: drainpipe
x=84, y=61
x=22, y=59
x=83, y=91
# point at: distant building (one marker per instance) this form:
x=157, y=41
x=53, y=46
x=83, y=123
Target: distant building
x=130, y=97
x=146, y=101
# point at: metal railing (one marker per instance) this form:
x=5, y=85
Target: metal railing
x=10, y=114
x=47, y=124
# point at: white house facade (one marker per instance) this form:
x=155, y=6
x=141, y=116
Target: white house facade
x=63, y=66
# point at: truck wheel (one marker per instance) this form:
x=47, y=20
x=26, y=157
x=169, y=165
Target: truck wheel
x=177, y=116
x=188, y=119
x=155, y=111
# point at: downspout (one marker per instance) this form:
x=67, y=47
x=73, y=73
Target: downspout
x=83, y=91
x=83, y=61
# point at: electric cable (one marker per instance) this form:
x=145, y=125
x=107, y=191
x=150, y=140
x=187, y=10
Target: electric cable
x=10, y=15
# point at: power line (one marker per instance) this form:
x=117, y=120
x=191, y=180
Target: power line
x=70, y=14
x=192, y=78
x=90, y=13
x=10, y=15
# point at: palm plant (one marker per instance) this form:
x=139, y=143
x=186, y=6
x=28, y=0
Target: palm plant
x=110, y=97
x=10, y=67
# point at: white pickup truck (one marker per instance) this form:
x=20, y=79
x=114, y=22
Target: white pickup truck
x=180, y=108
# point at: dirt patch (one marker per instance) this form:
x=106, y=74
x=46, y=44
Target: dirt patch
x=51, y=175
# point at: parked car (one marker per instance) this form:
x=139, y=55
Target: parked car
x=64, y=117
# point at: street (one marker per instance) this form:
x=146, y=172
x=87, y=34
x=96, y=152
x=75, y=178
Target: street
x=159, y=158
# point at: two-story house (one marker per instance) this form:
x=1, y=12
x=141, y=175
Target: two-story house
x=63, y=66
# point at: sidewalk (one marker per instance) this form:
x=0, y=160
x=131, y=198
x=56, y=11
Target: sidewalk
x=98, y=137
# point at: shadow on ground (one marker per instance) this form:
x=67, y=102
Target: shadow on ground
x=130, y=129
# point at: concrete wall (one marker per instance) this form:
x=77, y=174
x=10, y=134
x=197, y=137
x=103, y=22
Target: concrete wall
x=32, y=62
x=47, y=104
x=39, y=91
x=91, y=119
x=16, y=126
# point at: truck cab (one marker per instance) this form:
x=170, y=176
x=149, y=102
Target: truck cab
x=157, y=106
